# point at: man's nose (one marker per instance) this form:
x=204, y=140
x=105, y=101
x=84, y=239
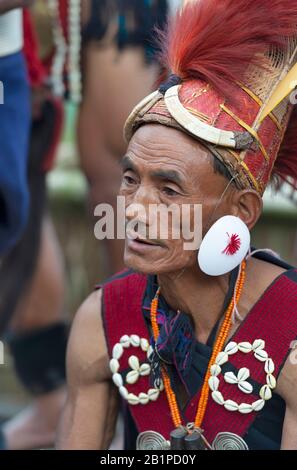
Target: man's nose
x=139, y=205
x=145, y=195
x=137, y=211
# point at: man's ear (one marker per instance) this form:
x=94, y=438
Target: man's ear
x=248, y=205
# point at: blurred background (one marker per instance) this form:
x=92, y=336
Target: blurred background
x=77, y=167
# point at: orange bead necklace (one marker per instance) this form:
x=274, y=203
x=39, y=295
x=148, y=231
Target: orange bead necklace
x=219, y=344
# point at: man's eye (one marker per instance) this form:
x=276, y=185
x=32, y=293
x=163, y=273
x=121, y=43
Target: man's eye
x=128, y=180
x=169, y=191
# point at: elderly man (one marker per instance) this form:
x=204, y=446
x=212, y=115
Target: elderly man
x=198, y=347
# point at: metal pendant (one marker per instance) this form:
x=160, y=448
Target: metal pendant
x=195, y=441
x=229, y=441
x=151, y=440
x=177, y=437
x=188, y=438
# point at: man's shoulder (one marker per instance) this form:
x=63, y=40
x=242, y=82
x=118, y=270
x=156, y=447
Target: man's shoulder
x=87, y=355
x=266, y=274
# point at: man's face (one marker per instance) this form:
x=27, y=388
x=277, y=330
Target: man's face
x=165, y=166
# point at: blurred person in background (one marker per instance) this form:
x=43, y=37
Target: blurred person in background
x=14, y=125
x=32, y=277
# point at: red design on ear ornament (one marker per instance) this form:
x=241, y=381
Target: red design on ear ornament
x=233, y=245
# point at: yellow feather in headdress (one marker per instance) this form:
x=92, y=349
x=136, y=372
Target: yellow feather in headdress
x=283, y=89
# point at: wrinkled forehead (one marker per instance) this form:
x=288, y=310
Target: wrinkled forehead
x=158, y=145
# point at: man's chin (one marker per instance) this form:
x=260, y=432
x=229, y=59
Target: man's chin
x=139, y=264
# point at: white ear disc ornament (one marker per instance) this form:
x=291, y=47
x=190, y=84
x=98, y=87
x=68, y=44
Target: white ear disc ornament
x=224, y=246
x=137, y=370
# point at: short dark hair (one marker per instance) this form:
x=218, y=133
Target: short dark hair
x=221, y=169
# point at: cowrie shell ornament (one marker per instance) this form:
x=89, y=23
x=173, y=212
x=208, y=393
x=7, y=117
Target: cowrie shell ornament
x=271, y=381
x=132, y=377
x=144, y=369
x=134, y=362
x=135, y=340
x=245, y=387
x=117, y=351
x=222, y=358
x=245, y=347
x=137, y=370
x=125, y=341
x=265, y=392
x=269, y=366
x=215, y=370
x=258, y=344
x=218, y=397
x=231, y=405
x=261, y=355
x=230, y=378
x=133, y=399
x=114, y=366
x=258, y=405
x=231, y=348
x=213, y=383
x=241, y=379
x=243, y=374
x=117, y=380
x=245, y=408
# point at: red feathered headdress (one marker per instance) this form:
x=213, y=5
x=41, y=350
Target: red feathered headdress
x=233, y=71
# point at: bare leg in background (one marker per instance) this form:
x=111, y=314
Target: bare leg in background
x=42, y=306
